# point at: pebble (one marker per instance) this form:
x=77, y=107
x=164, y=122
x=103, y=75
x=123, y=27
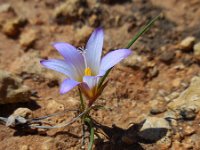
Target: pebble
x=187, y=43
x=187, y=105
x=53, y=107
x=12, y=90
x=5, y=8
x=176, y=82
x=12, y=27
x=134, y=61
x=28, y=66
x=158, y=107
x=197, y=50
x=28, y=38
x=23, y=112
x=167, y=56
x=69, y=11
x=153, y=72
x=188, y=130
x=93, y=21
x=188, y=112
x=154, y=129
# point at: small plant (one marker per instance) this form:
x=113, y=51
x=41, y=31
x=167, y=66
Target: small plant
x=85, y=69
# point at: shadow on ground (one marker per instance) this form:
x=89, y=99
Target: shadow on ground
x=129, y=139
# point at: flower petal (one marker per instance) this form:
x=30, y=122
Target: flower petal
x=67, y=85
x=91, y=81
x=72, y=57
x=60, y=66
x=94, y=49
x=112, y=58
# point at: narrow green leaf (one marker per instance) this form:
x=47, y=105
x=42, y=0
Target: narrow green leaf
x=143, y=30
x=89, y=121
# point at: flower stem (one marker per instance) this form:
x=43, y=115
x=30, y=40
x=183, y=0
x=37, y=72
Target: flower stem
x=143, y=30
x=89, y=121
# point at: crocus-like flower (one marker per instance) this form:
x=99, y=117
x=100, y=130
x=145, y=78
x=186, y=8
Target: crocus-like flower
x=84, y=67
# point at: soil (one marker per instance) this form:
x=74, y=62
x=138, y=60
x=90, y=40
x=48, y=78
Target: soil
x=29, y=27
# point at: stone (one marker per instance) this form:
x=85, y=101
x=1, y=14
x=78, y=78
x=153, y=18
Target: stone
x=197, y=51
x=155, y=129
x=53, y=106
x=93, y=20
x=12, y=27
x=23, y=112
x=187, y=43
x=5, y=7
x=12, y=90
x=134, y=61
x=176, y=82
x=188, y=130
x=158, y=107
x=167, y=56
x=28, y=38
x=69, y=11
x=28, y=65
x=187, y=104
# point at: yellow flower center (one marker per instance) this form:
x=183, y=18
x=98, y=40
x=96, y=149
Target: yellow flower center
x=88, y=71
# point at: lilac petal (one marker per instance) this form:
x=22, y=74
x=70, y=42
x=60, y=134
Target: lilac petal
x=59, y=66
x=112, y=58
x=72, y=57
x=94, y=49
x=91, y=81
x=67, y=85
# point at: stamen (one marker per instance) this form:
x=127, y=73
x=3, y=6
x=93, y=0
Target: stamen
x=82, y=50
x=88, y=72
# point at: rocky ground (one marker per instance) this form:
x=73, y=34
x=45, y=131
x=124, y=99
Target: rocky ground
x=153, y=96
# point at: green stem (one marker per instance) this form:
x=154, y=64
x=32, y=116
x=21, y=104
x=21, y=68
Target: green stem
x=143, y=30
x=89, y=121
x=81, y=99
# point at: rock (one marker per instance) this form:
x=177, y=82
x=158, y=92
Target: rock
x=195, y=139
x=176, y=82
x=93, y=21
x=154, y=129
x=197, y=50
x=187, y=43
x=28, y=65
x=5, y=8
x=28, y=38
x=158, y=107
x=12, y=90
x=187, y=104
x=12, y=27
x=188, y=130
x=69, y=11
x=171, y=96
x=167, y=56
x=134, y=61
x=153, y=72
x=23, y=112
x=188, y=112
x=54, y=106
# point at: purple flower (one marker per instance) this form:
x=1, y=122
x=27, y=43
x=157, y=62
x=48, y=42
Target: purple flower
x=84, y=67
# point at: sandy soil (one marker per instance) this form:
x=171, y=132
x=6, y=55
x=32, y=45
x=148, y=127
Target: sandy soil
x=137, y=86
